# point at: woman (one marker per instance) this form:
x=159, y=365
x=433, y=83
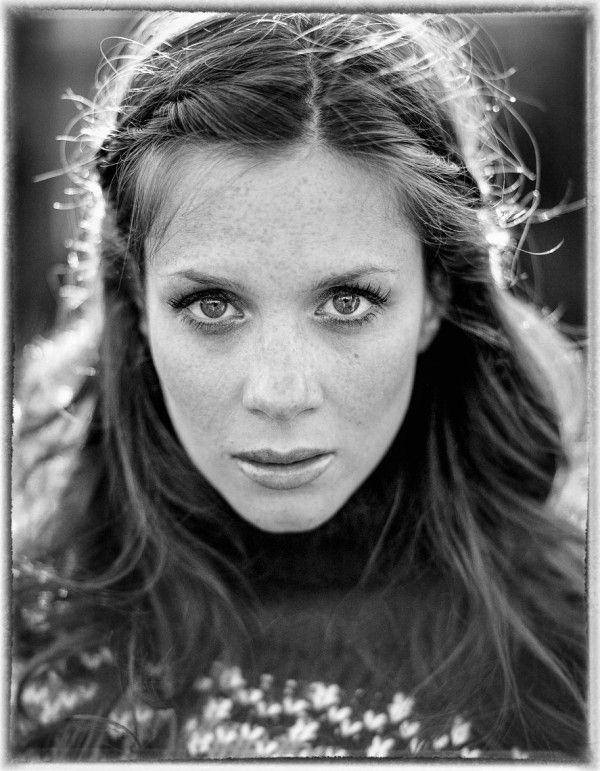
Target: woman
x=303, y=497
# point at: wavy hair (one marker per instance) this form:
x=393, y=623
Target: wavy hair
x=465, y=507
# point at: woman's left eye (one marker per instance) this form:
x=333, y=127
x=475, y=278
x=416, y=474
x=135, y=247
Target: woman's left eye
x=351, y=305
x=346, y=304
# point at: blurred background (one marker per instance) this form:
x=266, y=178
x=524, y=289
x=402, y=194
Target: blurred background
x=54, y=51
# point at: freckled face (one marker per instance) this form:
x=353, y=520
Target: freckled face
x=285, y=309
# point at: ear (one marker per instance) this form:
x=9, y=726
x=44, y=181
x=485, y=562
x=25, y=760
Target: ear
x=430, y=321
x=142, y=319
x=143, y=325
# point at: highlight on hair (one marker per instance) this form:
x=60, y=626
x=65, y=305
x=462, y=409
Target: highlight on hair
x=149, y=553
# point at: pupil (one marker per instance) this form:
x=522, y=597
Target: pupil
x=346, y=303
x=213, y=307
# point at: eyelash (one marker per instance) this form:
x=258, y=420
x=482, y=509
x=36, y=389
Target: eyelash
x=179, y=304
x=371, y=292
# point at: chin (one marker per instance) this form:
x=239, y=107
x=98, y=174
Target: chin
x=286, y=521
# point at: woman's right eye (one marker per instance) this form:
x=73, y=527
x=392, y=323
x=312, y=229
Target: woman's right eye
x=206, y=308
x=213, y=308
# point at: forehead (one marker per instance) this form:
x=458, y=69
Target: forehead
x=309, y=205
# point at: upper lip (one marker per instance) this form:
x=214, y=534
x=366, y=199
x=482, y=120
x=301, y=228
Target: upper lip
x=274, y=456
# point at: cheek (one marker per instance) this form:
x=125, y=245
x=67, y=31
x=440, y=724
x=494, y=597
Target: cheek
x=373, y=383
x=197, y=388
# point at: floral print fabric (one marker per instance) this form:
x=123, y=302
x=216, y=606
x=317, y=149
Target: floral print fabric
x=228, y=715
x=234, y=718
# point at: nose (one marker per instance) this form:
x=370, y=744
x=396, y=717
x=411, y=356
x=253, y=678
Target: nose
x=282, y=383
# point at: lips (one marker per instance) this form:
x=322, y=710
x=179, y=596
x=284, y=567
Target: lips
x=283, y=470
x=280, y=458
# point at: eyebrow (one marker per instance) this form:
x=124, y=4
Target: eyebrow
x=351, y=275
x=334, y=279
x=206, y=279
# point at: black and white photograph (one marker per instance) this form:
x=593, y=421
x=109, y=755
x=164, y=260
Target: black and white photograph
x=300, y=384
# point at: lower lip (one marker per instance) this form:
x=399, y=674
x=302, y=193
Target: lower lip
x=285, y=476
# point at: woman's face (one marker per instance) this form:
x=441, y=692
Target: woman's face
x=285, y=309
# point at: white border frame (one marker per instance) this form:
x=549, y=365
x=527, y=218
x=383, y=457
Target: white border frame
x=590, y=9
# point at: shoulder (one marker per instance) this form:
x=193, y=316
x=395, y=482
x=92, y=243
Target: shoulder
x=45, y=683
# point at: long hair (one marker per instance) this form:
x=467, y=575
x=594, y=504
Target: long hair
x=150, y=554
